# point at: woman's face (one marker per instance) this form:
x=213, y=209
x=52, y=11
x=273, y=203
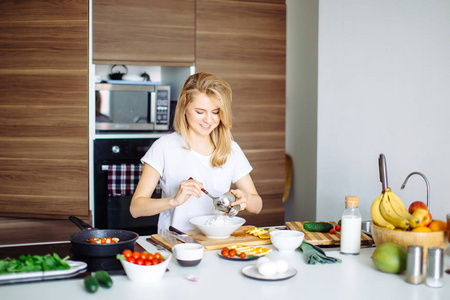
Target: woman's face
x=202, y=115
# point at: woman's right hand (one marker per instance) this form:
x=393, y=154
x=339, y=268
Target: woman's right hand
x=187, y=188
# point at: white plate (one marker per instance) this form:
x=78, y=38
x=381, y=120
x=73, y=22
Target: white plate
x=76, y=267
x=252, y=272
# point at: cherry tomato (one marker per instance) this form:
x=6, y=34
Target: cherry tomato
x=127, y=253
x=131, y=260
x=144, y=256
x=225, y=252
x=338, y=228
x=158, y=255
x=225, y=249
x=155, y=261
x=332, y=230
x=150, y=256
x=232, y=252
x=140, y=262
x=103, y=240
x=242, y=255
x=136, y=255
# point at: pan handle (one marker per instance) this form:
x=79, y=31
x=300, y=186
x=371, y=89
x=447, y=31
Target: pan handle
x=81, y=224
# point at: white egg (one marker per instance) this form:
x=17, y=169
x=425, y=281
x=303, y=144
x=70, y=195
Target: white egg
x=282, y=265
x=267, y=268
x=261, y=260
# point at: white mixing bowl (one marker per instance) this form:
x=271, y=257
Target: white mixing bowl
x=217, y=232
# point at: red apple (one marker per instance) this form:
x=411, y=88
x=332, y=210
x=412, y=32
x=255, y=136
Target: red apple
x=417, y=205
x=424, y=216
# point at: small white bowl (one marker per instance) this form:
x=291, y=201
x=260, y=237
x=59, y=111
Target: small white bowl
x=146, y=273
x=286, y=240
x=188, y=254
x=217, y=232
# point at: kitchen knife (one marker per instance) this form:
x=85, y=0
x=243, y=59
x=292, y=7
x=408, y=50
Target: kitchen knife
x=181, y=236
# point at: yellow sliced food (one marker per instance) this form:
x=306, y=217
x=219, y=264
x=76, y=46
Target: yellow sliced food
x=259, y=232
x=251, y=250
x=265, y=236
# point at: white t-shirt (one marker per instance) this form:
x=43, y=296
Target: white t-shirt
x=174, y=162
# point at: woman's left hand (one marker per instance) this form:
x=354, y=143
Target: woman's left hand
x=241, y=198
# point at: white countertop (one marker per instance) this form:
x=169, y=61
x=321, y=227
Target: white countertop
x=354, y=278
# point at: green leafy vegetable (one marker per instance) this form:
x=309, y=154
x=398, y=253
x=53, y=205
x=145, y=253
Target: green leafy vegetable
x=33, y=263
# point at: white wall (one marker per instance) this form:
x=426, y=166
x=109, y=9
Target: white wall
x=301, y=106
x=383, y=87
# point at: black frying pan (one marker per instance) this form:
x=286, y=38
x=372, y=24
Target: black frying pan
x=81, y=246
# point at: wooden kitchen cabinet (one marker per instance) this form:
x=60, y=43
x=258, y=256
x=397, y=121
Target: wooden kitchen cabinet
x=244, y=42
x=43, y=113
x=144, y=32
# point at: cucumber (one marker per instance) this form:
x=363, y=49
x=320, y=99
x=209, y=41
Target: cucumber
x=104, y=279
x=318, y=226
x=91, y=284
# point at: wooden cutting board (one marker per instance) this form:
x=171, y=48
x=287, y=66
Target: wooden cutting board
x=319, y=238
x=239, y=237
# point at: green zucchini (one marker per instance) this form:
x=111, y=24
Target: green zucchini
x=318, y=226
x=91, y=284
x=104, y=279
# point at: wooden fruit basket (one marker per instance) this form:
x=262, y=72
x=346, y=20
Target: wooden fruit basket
x=407, y=238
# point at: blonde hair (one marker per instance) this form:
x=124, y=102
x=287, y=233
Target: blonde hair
x=219, y=91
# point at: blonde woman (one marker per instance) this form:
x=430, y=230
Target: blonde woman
x=202, y=148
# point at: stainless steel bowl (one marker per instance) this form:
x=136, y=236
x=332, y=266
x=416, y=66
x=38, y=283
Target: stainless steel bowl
x=365, y=227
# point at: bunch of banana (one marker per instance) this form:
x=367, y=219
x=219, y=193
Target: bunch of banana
x=388, y=211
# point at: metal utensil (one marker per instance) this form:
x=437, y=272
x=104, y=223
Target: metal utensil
x=223, y=203
x=158, y=246
x=181, y=236
x=383, y=171
x=426, y=182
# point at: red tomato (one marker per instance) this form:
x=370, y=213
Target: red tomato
x=136, y=255
x=103, y=240
x=158, y=255
x=144, y=256
x=140, y=261
x=127, y=253
x=155, y=261
x=150, y=256
x=332, y=230
x=232, y=252
x=242, y=255
x=131, y=260
x=225, y=249
x=338, y=228
x=225, y=252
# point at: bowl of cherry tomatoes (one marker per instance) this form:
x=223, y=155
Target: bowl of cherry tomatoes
x=144, y=266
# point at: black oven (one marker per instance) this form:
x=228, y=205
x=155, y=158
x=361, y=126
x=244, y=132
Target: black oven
x=117, y=169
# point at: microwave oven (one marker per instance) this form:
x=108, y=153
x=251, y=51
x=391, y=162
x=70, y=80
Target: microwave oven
x=132, y=107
